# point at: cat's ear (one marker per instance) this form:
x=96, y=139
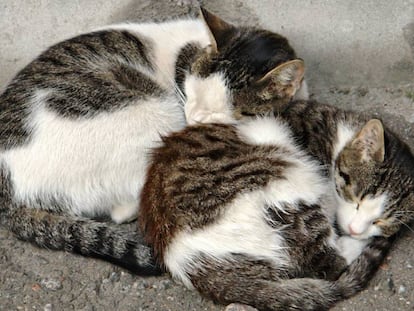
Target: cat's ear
x=220, y=30
x=283, y=81
x=369, y=142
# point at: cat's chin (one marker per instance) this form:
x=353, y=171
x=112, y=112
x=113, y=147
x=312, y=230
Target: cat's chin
x=367, y=234
x=350, y=248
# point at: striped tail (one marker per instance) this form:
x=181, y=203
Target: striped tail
x=251, y=283
x=362, y=269
x=83, y=236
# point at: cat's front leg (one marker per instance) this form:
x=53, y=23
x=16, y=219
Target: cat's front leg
x=350, y=248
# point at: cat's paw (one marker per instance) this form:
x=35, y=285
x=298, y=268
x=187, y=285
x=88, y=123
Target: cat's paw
x=209, y=117
x=124, y=212
x=239, y=307
x=350, y=248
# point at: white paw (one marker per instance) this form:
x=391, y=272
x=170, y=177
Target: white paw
x=125, y=212
x=350, y=248
x=210, y=117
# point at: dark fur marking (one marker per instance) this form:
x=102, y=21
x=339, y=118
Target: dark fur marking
x=183, y=63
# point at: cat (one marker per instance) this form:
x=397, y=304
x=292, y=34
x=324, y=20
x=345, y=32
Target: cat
x=76, y=123
x=246, y=212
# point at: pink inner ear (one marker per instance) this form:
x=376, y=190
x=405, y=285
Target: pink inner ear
x=218, y=28
x=370, y=141
x=284, y=80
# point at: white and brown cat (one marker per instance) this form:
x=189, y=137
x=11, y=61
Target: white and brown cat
x=77, y=123
x=246, y=212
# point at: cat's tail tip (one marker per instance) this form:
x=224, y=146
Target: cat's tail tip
x=358, y=274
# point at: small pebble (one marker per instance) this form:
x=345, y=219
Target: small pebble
x=51, y=284
x=41, y=260
x=48, y=307
x=402, y=289
x=115, y=277
x=164, y=284
x=141, y=285
x=125, y=288
x=391, y=285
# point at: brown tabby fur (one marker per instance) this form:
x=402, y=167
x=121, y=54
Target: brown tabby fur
x=200, y=170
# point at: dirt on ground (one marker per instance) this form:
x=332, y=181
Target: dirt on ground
x=39, y=279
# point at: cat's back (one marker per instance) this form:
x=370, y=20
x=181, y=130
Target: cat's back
x=106, y=70
x=101, y=55
x=166, y=41
x=88, y=109
x=222, y=177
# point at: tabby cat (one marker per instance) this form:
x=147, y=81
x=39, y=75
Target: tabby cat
x=76, y=124
x=246, y=213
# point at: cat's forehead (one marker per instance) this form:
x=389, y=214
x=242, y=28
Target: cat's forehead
x=260, y=46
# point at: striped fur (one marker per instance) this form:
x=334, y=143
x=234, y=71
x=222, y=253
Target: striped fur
x=76, y=124
x=245, y=213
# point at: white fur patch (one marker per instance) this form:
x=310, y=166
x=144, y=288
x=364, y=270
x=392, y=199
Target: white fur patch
x=360, y=220
x=242, y=229
x=350, y=248
x=345, y=133
x=266, y=131
x=208, y=100
x=91, y=164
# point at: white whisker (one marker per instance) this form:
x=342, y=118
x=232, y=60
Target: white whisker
x=406, y=225
x=172, y=82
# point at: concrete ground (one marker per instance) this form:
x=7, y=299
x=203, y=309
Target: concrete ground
x=359, y=55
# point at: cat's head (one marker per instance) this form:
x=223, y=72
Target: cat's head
x=374, y=180
x=241, y=73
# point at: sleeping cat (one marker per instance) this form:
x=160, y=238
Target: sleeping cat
x=245, y=213
x=76, y=124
